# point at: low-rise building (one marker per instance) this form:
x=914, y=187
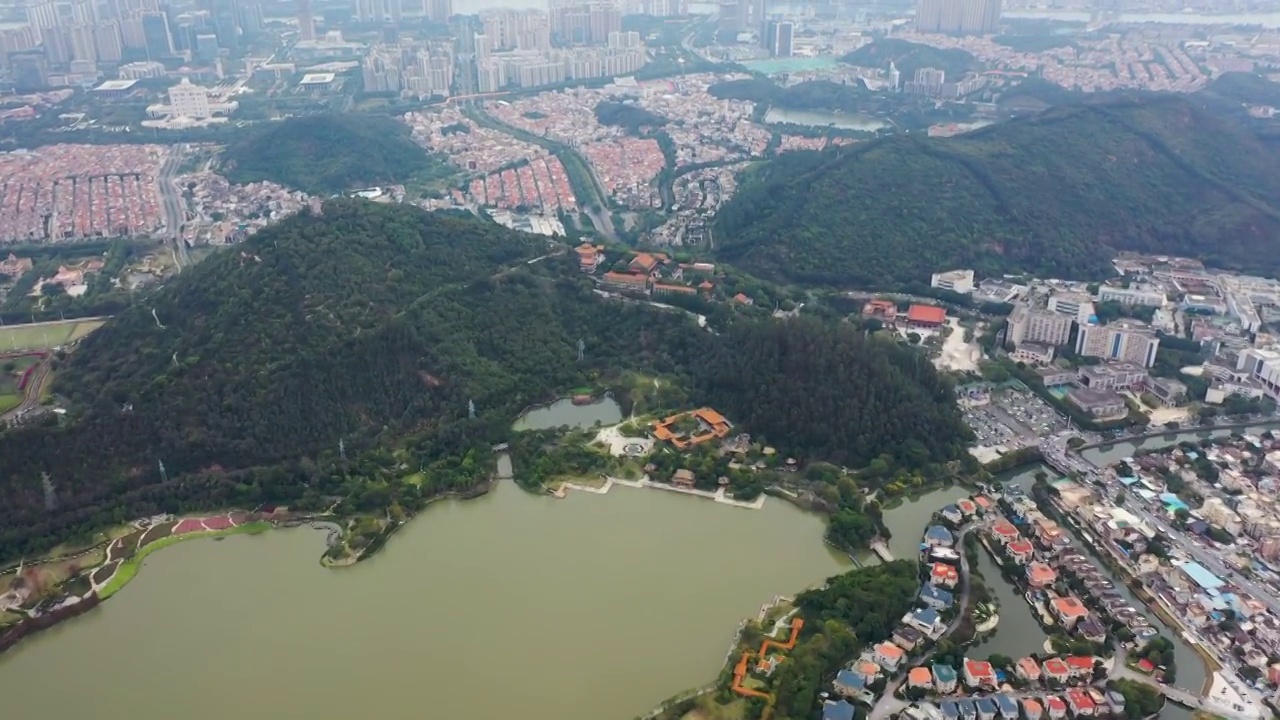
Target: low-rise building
x=979, y=673
x=1040, y=575
x=957, y=281
x=935, y=597
x=944, y=678
x=888, y=656
x=1099, y=404
x=1021, y=550
x=849, y=683
x=937, y=535
x=839, y=710
x=1055, y=706
x=1055, y=670
x=1056, y=377
x=1168, y=391
x=1114, y=376
x=944, y=575
x=926, y=620
x=920, y=677
x=1068, y=610
x=1028, y=669
x=1032, y=709
x=1033, y=353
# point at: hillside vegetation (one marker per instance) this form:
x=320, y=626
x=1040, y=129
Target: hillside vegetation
x=374, y=326
x=326, y=154
x=1057, y=194
x=909, y=57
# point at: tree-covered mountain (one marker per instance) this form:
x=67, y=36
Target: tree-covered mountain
x=376, y=326
x=326, y=154
x=909, y=57
x=1057, y=194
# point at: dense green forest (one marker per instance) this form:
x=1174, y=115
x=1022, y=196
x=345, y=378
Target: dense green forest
x=629, y=116
x=326, y=154
x=374, y=326
x=829, y=391
x=1057, y=194
x=909, y=57
x=850, y=612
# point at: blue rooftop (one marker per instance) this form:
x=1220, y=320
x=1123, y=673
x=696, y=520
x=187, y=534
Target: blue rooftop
x=851, y=680
x=1007, y=704
x=837, y=711
x=936, y=594
x=939, y=534
x=950, y=709
x=1127, y=481
x=1173, y=502
x=1201, y=576
x=927, y=616
x=944, y=673
x=950, y=510
x=987, y=705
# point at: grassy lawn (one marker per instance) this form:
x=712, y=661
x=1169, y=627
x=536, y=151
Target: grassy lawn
x=9, y=402
x=43, y=336
x=130, y=567
x=593, y=481
x=415, y=479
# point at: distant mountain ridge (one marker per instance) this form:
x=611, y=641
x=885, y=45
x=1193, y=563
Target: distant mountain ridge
x=1056, y=194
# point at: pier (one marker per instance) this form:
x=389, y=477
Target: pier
x=881, y=549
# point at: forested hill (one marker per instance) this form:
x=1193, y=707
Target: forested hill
x=1057, y=194
x=374, y=326
x=326, y=154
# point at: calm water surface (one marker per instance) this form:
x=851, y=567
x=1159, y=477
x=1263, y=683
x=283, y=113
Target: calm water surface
x=512, y=605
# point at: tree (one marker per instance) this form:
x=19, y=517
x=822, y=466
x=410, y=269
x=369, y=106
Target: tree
x=1120, y=497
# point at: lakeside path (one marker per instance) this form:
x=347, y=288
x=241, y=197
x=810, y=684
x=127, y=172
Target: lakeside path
x=644, y=482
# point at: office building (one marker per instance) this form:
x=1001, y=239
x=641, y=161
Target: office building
x=742, y=16
x=779, y=36
x=1124, y=340
x=959, y=17
x=155, y=32
x=1077, y=305
x=189, y=100
x=1131, y=296
x=957, y=281
x=1038, y=325
x=1263, y=366
x=438, y=11
x=206, y=48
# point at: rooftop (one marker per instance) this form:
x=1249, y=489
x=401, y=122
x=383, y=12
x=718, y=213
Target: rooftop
x=927, y=314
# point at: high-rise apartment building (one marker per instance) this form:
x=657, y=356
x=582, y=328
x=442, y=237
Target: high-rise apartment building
x=438, y=11
x=1077, y=305
x=42, y=16
x=576, y=22
x=1123, y=340
x=517, y=29
x=960, y=17
x=29, y=70
x=378, y=11
x=624, y=39
x=107, y=42
x=1037, y=325
x=306, y=23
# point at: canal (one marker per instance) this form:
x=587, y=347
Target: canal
x=510, y=605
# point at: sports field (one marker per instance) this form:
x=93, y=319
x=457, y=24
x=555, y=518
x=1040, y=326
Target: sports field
x=43, y=336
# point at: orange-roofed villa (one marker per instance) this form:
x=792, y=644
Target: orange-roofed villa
x=688, y=429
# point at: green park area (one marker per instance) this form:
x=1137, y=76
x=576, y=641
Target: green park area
x=129, y=568
x=43, y=336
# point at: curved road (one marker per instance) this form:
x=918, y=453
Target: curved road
x=31, y=396
x=888, y=705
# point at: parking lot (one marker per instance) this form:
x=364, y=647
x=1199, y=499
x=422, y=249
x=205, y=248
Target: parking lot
x=1011, y=419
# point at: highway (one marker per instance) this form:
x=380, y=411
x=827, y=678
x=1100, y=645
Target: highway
x=174, y=207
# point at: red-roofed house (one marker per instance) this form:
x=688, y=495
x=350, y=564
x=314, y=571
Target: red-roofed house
x=983, y=502
x=1081, y=666
x=1040, y=575
x=1079, y=702
x=1056, y=670
x=944, y=575
x=1027, y=669
x=889, y=655
x=920, y=677
x=926, y=316
x=1056, y=707
x=626, y=281
x=967, y=506
x=885, y=309
x=979, y=673
x=1146, y=666
x=1021, y=550
x=1005, y=532
x=1069, y=610
x=1031, y=709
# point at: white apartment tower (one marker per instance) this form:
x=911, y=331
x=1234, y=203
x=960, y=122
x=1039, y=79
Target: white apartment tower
x=1122, y=340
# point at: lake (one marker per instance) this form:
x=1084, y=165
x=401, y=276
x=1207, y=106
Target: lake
x=815, y=118
x=564, y=412
x=511, y=605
